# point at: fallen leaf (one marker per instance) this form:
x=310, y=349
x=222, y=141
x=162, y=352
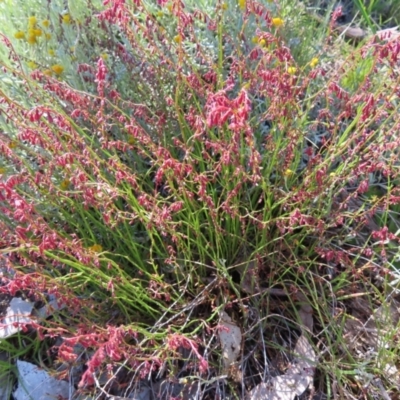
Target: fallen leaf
x=230, y=337
x=300, y=374
x=17, y=313
x=36, y=384
x=295, y=381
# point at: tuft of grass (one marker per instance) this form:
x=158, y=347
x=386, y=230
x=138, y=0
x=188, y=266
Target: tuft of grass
x=184, y=160
x=377, y=14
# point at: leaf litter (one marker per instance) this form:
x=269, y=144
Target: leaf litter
x=230, y=337
x=299, y=376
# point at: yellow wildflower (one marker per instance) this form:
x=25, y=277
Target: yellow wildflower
x=19, y=35
x=37, y=32
x=48, y=72
x=47, y=36
x=255, y=39
x=13, y=144
x=96, y=248
x=2, y=170
x=242, y=4
x=292, y=70
x=262, y=42
x=131, y=140
x=31, y=64
x=178, y=39
x=169, y=7
x=104, y=56
x=224, y=6
x=277, y=22
x=160, y=14
x=64, y=185
x=51, y=52
x=66, y=19
x=31, y=39
x=57, y=69
x=314, y=62
x=288, y=173
x=32, y=21
x=46, y=23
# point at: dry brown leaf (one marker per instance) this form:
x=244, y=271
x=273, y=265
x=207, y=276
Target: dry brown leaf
x=366, y=326
x=230, y=337
x=18, y=313
x=295, y=381
x=300, y=374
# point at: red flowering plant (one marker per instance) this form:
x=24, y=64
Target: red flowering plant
x=204, y=164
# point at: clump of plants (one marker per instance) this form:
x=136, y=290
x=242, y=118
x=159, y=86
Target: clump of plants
x=195, y=166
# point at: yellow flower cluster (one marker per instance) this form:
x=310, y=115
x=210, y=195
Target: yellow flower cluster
x=55, y=69
x=34, y=31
